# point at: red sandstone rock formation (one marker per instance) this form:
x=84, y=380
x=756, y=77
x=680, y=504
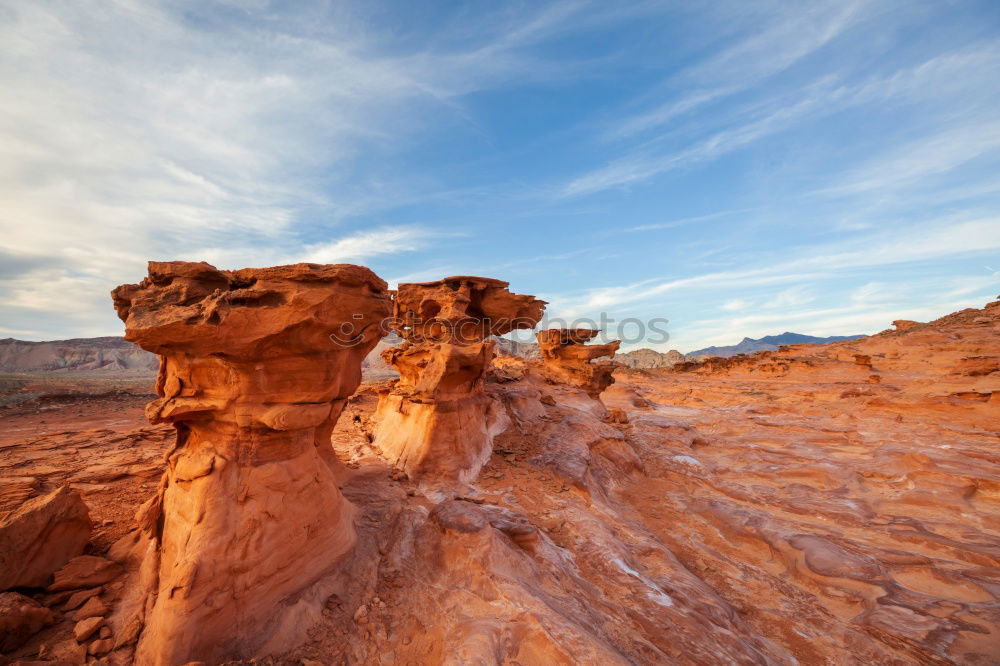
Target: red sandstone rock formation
x=41, y=536
x=567, y=359
x=256, y=366
x=20, y=618
x=752, y=511
x=866, y=511
x=86, y=571
x=437, y=422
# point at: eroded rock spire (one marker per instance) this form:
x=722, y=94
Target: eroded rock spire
x=568, y=359
x=255, y=368
x=437, y=422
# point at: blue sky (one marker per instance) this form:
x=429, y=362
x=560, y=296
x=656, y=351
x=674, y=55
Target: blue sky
x=739, y=168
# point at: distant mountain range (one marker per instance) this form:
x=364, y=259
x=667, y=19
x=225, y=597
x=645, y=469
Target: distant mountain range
x=769, y=343
x=529, y=351
x=113, y=355
x=109, y=355
x=640, y=358
x=648, y=358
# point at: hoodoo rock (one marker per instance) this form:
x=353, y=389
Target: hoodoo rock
x=255, y=369
x=437, y=422
x=567, y=359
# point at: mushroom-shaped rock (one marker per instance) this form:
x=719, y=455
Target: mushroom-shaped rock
x=255, y=368
x=437, y=422
x=567, y=359
x=462, y=310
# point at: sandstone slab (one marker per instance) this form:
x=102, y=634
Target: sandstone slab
x=85, y=571
x=40, y=536
x=84, y=629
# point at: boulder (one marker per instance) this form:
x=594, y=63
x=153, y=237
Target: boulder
x=95, y=607
x=508, y=369
x=649, y=359
x=20, y=619
x=84, y=629
x=76, y=599
x=40, y=536
x=100, y=646
x=616, y=415
x=85, y=571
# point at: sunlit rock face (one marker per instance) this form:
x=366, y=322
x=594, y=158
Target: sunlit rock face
x=568, y=359
x=255, y=367
x=437, y=423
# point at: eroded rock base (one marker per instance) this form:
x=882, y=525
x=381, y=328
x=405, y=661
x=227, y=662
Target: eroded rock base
x=450, y=439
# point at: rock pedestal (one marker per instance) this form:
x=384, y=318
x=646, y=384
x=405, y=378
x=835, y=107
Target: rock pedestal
x=437, y=422
x=255, y=368
x=568, y=359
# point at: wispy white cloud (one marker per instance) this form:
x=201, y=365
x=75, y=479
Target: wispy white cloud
x=735, y=305
x=680, y=222
x=964, y=71
x=134, y=130
x=870, y=292
x=647, y=161
x=798, y=32
x=356, y=247
x=935, y=239
x=790, y=298
x=922, y=159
